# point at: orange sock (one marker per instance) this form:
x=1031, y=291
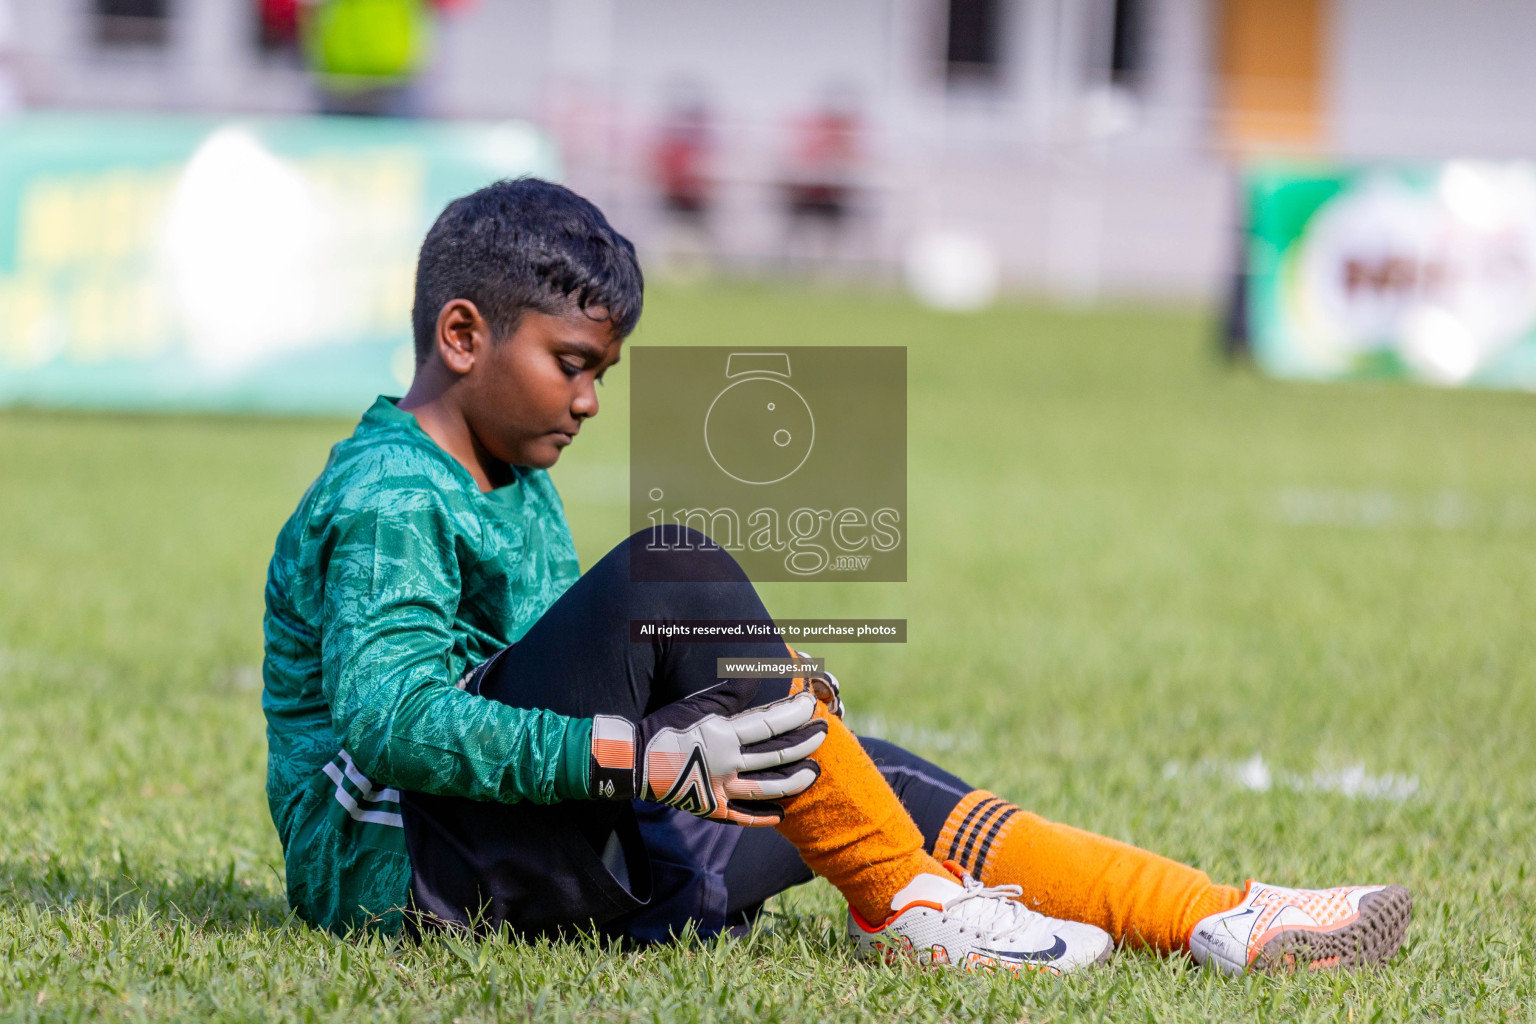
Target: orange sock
x=1138, y=897
x=851, y=828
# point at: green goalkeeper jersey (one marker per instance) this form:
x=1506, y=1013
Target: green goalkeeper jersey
x=395, y=575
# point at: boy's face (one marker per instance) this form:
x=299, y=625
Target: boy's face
x=529, y=394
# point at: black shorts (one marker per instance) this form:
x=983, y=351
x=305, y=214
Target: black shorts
x=640, y=870
x=542, y=870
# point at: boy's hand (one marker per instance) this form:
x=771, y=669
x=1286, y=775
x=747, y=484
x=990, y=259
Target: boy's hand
x=709, y=757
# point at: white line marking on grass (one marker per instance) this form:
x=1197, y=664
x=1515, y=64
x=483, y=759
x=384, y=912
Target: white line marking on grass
x=42, y=667
x=1354, y=780
x=246, y=678
x=908, y=735
x=1254, y=774
x=1385, y=510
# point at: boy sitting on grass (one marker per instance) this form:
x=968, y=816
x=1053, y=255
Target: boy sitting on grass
x=462, y=733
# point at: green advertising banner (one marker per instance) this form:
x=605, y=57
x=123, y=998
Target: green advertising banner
x=165, y=262
x=1426, y=273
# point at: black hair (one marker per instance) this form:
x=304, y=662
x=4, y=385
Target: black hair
x=524, y=244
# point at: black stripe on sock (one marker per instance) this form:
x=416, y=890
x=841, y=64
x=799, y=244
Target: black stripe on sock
x=970, y=843
x=992, y=834
x=970, y=816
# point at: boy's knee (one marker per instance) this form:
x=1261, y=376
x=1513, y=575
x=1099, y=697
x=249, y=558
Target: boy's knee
x=680, y=554
x=671, y=537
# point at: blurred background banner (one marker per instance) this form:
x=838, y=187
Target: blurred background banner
x=1076, y=151
x=1426, y=272
x=178, y=262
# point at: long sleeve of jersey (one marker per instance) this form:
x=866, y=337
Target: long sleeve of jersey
x=392, y=591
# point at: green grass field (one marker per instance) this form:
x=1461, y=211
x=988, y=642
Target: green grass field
x=1271, y=629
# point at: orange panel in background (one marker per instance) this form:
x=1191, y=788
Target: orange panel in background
x=1271, y=57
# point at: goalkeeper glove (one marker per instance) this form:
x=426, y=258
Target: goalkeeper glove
x=824, y=685
x=711, y=755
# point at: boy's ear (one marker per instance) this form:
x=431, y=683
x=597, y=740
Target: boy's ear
x=462, y=335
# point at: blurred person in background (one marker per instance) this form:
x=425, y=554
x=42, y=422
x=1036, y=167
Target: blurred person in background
x=278, y=23
x=823, y=177
x=366, y=54
x=682, y=164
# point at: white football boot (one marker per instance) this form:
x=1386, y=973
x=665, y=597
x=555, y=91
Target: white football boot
x=958, y=922
x=1279, y=929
